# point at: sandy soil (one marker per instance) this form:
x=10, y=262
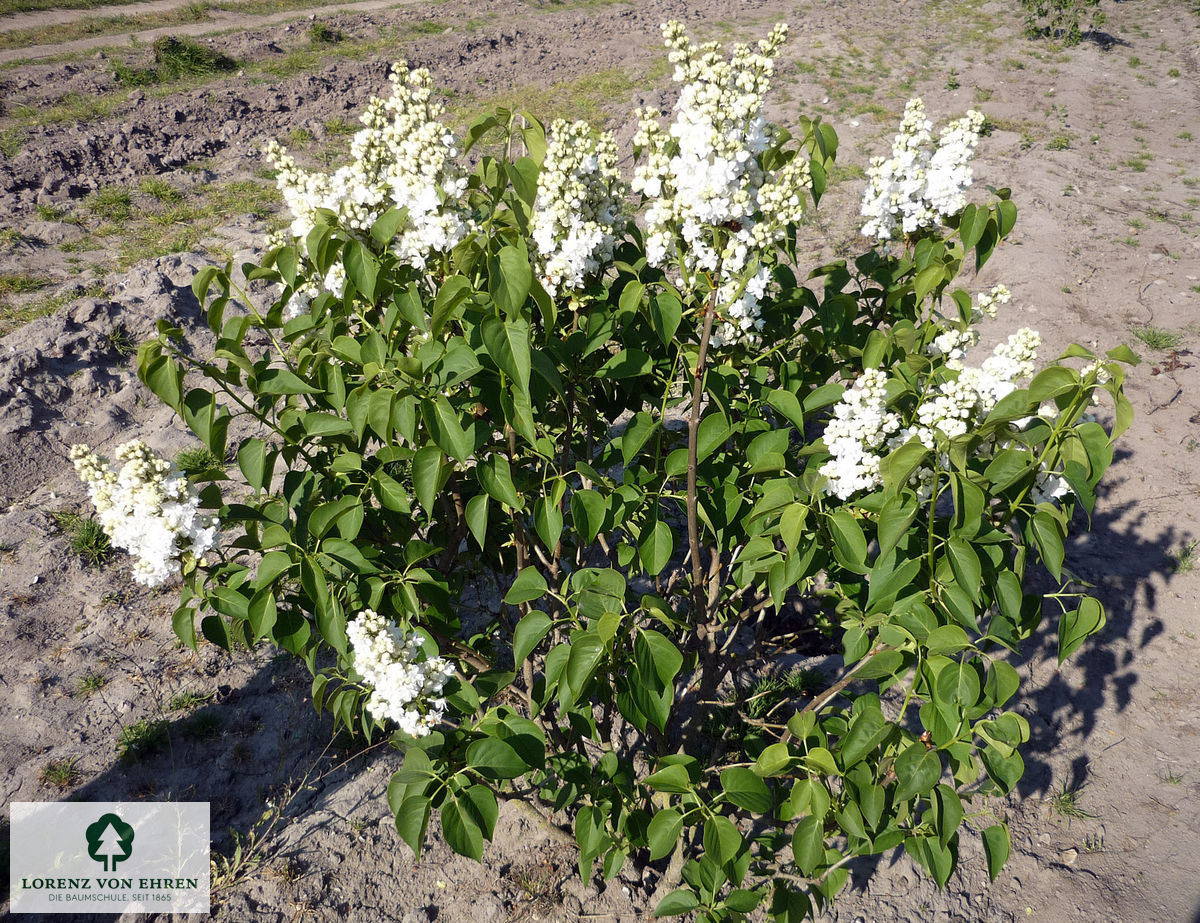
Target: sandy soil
x=1099, y=143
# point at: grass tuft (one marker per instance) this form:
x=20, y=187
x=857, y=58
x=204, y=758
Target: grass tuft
x=19, y=284
x=89, y=683
x=161, y=190
x=199, y=461
x=87, y=537
x=1183, y=559
x=1065, y=802
x=175, y=58
x=141, y=739
x=120, y=341
x=112, y=202
x=182, y=701
x=61, y=773
x=1157, y=337
x=321, y=34
x=12, y=139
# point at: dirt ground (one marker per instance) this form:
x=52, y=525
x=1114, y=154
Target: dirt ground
x=112, y=197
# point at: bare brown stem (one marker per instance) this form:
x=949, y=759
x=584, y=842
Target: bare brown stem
x=847, y=678
x=693, y=431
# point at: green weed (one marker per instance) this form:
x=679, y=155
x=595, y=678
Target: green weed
x=1093, y=843
x=12, y=139
x=61, y=773
x=86, y=536
x=1183, y=559
x=1157, y=337
x=1065, y=802
x=112, y=202
x=1139, y=162
x=321, y=34
x=120, y=341
x=199, y=460
x=160, y=190
x=188, y=699
x=175, y=58
x=141, y=739
x=19, y=283
x=89, y=683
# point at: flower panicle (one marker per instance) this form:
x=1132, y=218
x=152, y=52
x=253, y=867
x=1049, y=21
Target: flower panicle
x=148, y=509
x=863, y=430
x=710, y=206
x=580, y=206
x=402, y=157
x=921, y=184
x=406, y=686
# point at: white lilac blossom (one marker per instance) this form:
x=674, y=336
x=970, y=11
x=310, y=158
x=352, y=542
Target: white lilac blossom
x=863, y=431
x=949, y=411
x=997, y=376
x=1096, y=371
x=406, y=686
x=953, y=344
x=147, y=509
x=1048, y=487
x=578, y=210
x=920, y=184
x=955, y=405
x=404, y=157
x=708, y=203
x=988, y=303
x=857, y=436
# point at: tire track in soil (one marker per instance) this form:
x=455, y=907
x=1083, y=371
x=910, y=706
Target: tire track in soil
x=221, y=20
x=33, y=19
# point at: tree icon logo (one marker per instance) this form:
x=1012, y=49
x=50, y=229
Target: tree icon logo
x=110, y=840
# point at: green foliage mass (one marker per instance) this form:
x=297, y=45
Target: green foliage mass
x=641, y=498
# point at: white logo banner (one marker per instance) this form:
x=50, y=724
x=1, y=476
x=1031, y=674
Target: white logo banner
x=109, y=857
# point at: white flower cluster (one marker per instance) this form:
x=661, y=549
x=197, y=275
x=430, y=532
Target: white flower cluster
x=863, y=431
x=920, y=184
x=309, y=289
x=146, y=509
x=403, y=157
x=1097, y=371
x=405, y=687
x=858, y=435
x=578, y=210
x=988, y=303
x=1010, y=361
x=703, y=174
x=1049, y=487
x=953, y=344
